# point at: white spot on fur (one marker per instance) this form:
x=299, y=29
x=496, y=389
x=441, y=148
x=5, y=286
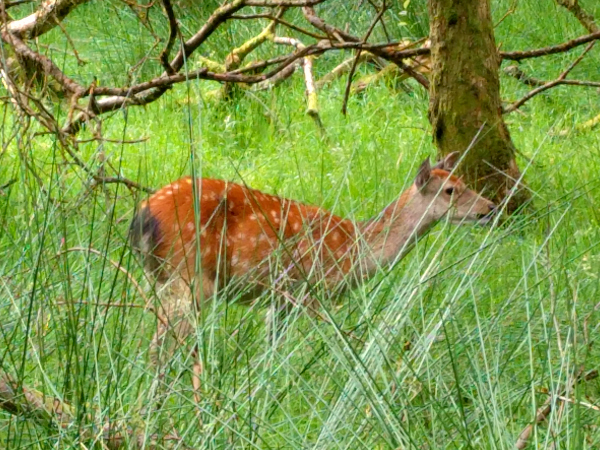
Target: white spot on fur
x=235, y=259
x=175, y=186
x=336, y=236
x=190, y=226
x=275, y=216
x=160, y=197
x=240, y=235
x=169, y=192
x=297, y=226
x=252, y=217
x=189, y=181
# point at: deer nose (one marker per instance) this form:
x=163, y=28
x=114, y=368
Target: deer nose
x=492, y=207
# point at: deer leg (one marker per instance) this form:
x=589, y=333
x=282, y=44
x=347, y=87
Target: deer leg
x=174, y=325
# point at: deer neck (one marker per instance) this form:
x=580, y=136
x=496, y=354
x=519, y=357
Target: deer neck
x=390, y=235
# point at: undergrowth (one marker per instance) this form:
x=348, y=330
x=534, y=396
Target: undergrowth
x=454, y=347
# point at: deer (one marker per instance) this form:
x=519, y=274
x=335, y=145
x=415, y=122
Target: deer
x=202, y=239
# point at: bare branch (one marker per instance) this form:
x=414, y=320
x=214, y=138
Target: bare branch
x=277, y=79
x=342, y=68
x=329, y=30
x=385, y=51
x=510, y=11
x=516, y=72
x=312, y=108
x=585, y=19
x=44, y=19
x=560, y=48
x=279, y=21
x=122, y=180
x=44, y=62
x=273, y=3
x=173, y=31
x=50, y=411
x=220, y=15
x=357, y=57
x=549, y=85
x=80, y=61
x=237, y=55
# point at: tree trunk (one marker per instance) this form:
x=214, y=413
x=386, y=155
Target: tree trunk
x=464, y=108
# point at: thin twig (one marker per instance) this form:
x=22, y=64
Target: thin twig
x=357, y=58
x=42, y=61
x=80, y=61
x=7, y=185
x=544, y=411
x=279, y=21
x=584, y=18
x=516, y=72
x=578, y=402
x=113, y=141
x=510, y=11
x=115, y=264
x=551, y=50
x=549, y=85
x=98, y=180
x=173, y=32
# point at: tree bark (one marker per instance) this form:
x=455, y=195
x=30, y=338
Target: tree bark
x=464, y=107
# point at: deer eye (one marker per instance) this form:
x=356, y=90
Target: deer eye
x=450, y=190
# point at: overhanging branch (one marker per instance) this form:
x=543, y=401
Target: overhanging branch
x=44, y=19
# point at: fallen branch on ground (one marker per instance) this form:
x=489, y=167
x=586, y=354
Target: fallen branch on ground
x=52, y=412
x=544, y=411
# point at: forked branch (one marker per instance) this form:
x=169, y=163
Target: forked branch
x=549, y=85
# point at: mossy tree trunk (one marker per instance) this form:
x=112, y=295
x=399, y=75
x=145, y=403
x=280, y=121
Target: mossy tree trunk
x=464, y=109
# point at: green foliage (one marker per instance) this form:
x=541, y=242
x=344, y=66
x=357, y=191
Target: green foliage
x=452, y=348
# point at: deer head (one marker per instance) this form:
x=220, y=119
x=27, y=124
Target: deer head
x=447, y=195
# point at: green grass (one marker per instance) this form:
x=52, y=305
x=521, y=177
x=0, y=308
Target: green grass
x=454, y=347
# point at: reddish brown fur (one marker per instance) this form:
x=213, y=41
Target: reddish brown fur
x=442, y=174
x=241, y=227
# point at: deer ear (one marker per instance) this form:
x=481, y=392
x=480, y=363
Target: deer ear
x=448, y=162
x=423, y=174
